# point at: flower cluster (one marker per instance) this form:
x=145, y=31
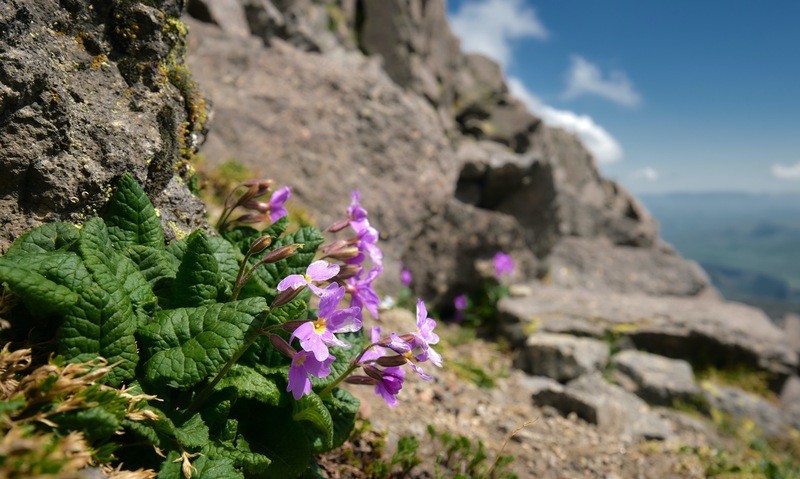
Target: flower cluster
x=360, y=262
x=256, y=209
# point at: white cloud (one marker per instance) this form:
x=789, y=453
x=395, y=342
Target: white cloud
x=648, y=174
x=604, y=147
x=786, y=172
x=585, y=78
x=489, y=27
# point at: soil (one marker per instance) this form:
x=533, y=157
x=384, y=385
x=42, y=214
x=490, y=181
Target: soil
x=478, y=394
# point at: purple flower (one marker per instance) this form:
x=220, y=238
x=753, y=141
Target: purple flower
x=276, y=201
x=355, y=213
x=503, y=264
x=424, y=337
x=405, y=277
x=316, y=336
x=303, y=365
x=362, y=294
x=367, y=243
x=460, y=302
x=389, y=385
x=374, y=352
x=316, y=271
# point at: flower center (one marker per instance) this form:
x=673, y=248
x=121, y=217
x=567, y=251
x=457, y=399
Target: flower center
x=320, y=325
x=301, y=358
x=307, y=278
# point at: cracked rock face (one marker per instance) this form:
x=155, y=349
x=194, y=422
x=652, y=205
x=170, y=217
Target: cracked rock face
x=87, y=92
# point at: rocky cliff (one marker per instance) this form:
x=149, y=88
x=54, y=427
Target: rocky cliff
x=88, y=91
x=363, y=94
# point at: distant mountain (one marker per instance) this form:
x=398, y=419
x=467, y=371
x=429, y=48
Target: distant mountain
x=748, y=243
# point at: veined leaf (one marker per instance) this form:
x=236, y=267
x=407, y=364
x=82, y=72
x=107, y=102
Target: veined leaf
x=198, y=280
x=48, y=237
x=131, y=218
x=40, y=295
x=249, y=384
x=188, y=345
x=153, y=263
x=343, y=408
x=252, y=463
x=192, y=433
x=228, y=260
x=311, y=408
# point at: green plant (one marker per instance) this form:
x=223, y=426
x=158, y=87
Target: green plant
x=200, y=330
x=462, y=459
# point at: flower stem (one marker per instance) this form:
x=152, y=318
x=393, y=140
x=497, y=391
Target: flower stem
x=249, y=340
x=354, y=364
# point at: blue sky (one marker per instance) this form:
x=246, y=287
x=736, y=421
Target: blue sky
x=670, y=96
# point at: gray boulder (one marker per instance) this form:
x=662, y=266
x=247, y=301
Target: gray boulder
x=656, y=379
x=89, y=91
x=611, y=408
x=562, y=357
x=702, y=331
x=790, y=400
x=598, y=265
x=743, y=406
x=791, y=325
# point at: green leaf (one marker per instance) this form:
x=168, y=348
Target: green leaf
x=290, y=450
x=131, y=218
x=192, y=433
x=228, y=259
x=253, y=464
x=154, y=263
x=188, y=345
x=198, y=280
x=97, y=424
x=249, y=384
x=114, y=270
x=40, y=295
x=343, y=408
x=48, y=237
x=10, y=407
x=221, y=468
x=310, y=408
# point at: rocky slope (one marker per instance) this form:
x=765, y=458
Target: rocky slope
x=377, y=96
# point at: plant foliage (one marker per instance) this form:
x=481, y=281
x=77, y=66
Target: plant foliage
x=162, y=315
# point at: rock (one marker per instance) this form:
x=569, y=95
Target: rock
x=743, y=406
x=656, y=379
x=614, y=410
x=790, y=400
x=597, y=265
x=229, y=15
x=461, y=239
x=562, y=357
x=89, y=91
x=701, y=331
x=327, y=127
x=791, y=325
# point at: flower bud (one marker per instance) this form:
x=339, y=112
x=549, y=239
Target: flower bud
x=281, y=253
x=259, y=187
x=339, y=225
x=250, y=218
x=347, y=271
x=373, y=372
x=260, y=206
x=390, y=361
x=259, y=245
x=285, y=296
x=281, y=345
x=290, y=326
x=362, y=380
x=340, y=250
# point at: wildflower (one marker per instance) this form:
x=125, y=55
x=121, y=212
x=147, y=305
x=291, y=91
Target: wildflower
x=460, y=303
x=390, y=381
x=303, y=365
x=503, y=264
x=316, y=336
x=362, y=294
x=276, y=201
x=317, y=271
x=405, y=277
x=355, y=215
x=367, y=243
x=374, y=352
x=424, y=336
